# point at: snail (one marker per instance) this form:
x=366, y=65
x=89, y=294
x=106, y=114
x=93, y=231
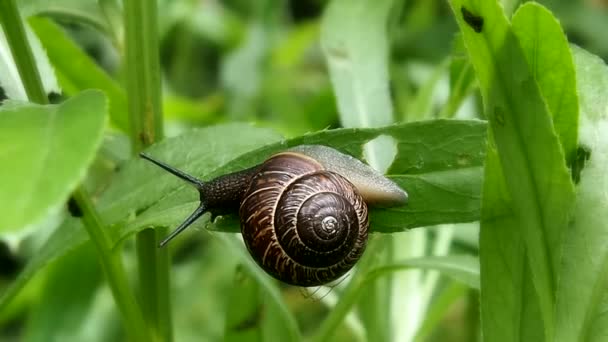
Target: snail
x=303, y=212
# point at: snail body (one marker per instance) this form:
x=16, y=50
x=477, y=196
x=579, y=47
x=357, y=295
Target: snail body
x=303, y=212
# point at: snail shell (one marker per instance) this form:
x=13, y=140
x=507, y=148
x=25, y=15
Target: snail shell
x=305, y=225
x=303, y=212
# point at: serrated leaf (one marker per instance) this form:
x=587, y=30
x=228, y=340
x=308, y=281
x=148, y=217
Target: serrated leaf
x=70, y=63
x=9, y=76
x=48, y=149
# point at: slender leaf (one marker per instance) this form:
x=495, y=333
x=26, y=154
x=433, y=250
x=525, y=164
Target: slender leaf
x=280, y=315
x=546, y=48
x=531, y=158
x=462, y=268
x=245, y=309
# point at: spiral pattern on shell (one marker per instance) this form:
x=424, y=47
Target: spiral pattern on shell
x=304, y=225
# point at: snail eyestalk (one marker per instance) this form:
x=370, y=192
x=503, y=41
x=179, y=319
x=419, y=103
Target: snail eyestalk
x=197, y=183
x=193, y=217
x=179, y=173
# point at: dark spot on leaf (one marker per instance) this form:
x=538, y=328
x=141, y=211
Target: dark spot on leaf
x=73, y=208
x=583, y=154
x=474, y=21
x=2, y=94
x=499, y=116
x=10, y=264
x=463, y=159
x=251, y=321
x=338, y=52
x=138, y=211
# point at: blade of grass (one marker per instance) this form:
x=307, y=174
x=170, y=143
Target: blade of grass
x=145, y=117
x=465, y=269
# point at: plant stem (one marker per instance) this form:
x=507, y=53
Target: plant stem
x=145, y=116
x=113, y=268
x=111, y=263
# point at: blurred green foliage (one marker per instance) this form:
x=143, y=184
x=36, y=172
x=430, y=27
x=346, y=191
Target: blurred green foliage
x=262, y=62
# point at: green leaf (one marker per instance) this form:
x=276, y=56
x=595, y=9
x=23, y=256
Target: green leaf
x=355, y=43
x=137, y=188
x=462, y=268
x=583, y=279
x=462, y=78
x=531, y=158
x=245, y=309
x=70, y=61
x=546, y=48
x=9, y=76
x=278, y=317
x=79, y=11
x=48, y=149
x=354, y=40
x=61, y=311
x=507, y=293
x=138, y=198
x=438, y=163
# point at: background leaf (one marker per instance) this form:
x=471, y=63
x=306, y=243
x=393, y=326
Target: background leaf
x=583, y=282
x=9, y=76
x=49, y=149
x=69, y=60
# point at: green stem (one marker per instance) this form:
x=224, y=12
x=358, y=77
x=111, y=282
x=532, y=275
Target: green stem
x=146, y=126
x=113, y=268
x=111, y=263
x=22, y=54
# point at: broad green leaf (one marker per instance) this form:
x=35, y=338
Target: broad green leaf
x=546, y=48
x=76, y=71
x=48, y=149
x=438, y=163
x=531, y=157
x=583, y=278
x=138, y=198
